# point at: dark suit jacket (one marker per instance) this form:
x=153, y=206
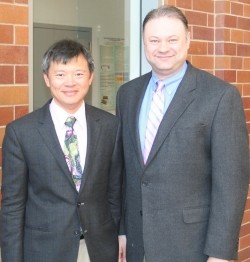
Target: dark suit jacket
x=187, y=202
x=41, y=209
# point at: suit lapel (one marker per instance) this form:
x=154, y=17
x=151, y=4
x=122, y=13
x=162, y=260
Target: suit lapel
x=48, y=133
x=184, y=96
x=134, y=110
x=93, y=133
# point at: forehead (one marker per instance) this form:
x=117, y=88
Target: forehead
x=80, y=61
x=164, y=25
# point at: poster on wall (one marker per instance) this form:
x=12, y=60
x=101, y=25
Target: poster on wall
x=113, y=71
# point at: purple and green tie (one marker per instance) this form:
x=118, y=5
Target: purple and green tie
x=71, y=152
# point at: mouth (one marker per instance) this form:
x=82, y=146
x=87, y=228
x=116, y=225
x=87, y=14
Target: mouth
x=70, y=93
x=164, y=57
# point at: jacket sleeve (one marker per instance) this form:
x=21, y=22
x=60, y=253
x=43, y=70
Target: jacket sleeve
x=14, y=193
x=115, y=180
x=230, y=176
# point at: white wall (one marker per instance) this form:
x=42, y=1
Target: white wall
x=87, y=13
x=106, y=18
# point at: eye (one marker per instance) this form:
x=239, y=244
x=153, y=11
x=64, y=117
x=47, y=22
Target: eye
x=173, y=41
x=154, y=41
x=79, y=75
x=59, y=75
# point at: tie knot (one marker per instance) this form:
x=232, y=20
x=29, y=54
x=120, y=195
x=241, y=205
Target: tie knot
x=70, y=121
x=159, y=86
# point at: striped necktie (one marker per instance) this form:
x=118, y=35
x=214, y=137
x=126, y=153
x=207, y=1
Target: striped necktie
x=155, y=116
x=71, y=152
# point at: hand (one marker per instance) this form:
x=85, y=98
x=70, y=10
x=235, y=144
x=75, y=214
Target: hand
x=122, y=248
x=214, y=259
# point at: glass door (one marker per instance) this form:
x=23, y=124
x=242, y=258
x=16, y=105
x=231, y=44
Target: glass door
x=111, y=29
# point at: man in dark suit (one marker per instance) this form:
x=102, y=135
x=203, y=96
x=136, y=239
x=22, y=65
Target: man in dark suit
x=51, y=211
x=186, y=187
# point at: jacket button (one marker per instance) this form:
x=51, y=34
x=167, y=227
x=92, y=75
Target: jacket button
x=141, y=212
x=80, y=204
x=76, y=233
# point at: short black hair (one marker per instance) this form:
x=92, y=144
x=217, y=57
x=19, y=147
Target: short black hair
x=63, y=51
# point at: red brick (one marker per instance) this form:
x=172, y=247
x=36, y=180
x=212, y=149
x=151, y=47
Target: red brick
x=203, y=33
x=7, y=115
x=198, y=48
x=14, y=95
x=210, y=48
x=243, y=50
x=237, y=36
x=210, y=19
x=22, y=1
x=243, y=23
x=21, y=111
x=225, y=48
x=205, y=6
x=196, y=18
x=244, y=241
x=7, y=1
x=13, y=14
x=184, y=4
x=7, y=75
x=247, y=10
x=204, y=62
x=246, y=102
x=6, y=36
x=236, y=8
x=222, y=34
x=243, y=77
x=13, y=54
x=21, y=74
x=236, y=63
x=226, y=21
x=247, y=114
x=21, y=35
x=245, y=230
x=2, y=132
x=244, y=254
x=222, y=7
x=246, y=37
x=246, y=89
x=227, y=75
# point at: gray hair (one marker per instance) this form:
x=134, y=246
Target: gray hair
x=63, y=51
x=166, y=10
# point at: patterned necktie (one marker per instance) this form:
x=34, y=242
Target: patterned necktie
x=155, y=116
x=71, y=152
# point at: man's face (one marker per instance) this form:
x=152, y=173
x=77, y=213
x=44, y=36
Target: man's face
x=166, y=43
x=69, y=83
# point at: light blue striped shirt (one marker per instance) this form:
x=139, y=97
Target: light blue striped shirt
x=171, y=85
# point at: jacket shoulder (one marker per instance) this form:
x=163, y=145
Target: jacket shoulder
x=135, y=82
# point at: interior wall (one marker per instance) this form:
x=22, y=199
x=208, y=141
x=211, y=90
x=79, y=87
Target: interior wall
x=105, y=18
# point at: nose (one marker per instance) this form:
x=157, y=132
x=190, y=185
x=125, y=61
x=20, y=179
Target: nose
x=69, y=80
x=164, y=46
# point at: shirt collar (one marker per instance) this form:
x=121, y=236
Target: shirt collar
x=61, y=115
x=169, y=82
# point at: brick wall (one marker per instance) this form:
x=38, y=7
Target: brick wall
x=221, y=45
x=13, y=63
x=220, y=32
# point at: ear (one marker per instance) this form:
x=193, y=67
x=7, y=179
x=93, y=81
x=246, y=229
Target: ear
x=91, y=77
x=46, y=80
x=188, y=39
